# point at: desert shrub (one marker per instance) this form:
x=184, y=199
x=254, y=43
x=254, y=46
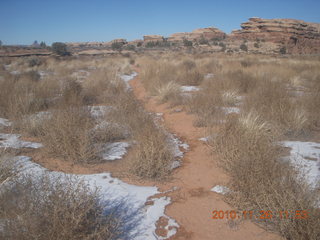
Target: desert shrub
x=187, y=43
x=273, y=102
x=311, y=103
x=48, y=207
x=168, y=92
x=117, y=46
x=244, y=47
x=23, y=95
x=261, y=181
x=131, y=47
x=7, y=167
x=152, y=157
x=67, y=134
x=60, y=49
x=34, y=61
x=283, y=50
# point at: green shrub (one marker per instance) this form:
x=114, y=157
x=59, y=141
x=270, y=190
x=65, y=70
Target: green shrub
x=244, y=47
x=60, y=49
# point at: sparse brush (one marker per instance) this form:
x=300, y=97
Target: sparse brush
x=7, y=167
x=230, y=98
x=153, y=156
x=168, y=91
x=261, y=181
x=67, y=134
x=52, y=208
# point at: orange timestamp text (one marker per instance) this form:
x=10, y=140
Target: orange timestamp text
x=260, y=214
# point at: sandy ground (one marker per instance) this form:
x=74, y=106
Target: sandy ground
x=193, y=202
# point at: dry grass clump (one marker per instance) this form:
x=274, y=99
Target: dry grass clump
x=153, y=156
x=68, y=134
x=56, y=208
x=7, y=167
x=24, y=95
x=311, y=102
x=168, y=91
x=273, y=102
x=260, y=181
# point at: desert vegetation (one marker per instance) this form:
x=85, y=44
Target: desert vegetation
x=249, y=104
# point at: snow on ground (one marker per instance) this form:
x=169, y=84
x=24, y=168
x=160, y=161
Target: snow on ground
x=4, y=122
x=209, y=75
x=13, y=141
x=127, y=78
x=100, y=111
x=220, y=189
x=189, y=88
x=114, y=151
x=176, y=144
x=306, y=157
x=114, y=190
x=229, y=110
x=81, y=74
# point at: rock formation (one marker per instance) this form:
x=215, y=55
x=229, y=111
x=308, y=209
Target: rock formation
x=295, y=36
x=153, y=38
x=205, y=33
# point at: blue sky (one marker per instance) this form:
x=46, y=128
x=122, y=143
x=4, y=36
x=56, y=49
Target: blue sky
x=23, y=21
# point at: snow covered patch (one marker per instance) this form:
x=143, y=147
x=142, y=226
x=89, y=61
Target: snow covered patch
x=306, y=157
x=81, y=74
x=13, y=141
x=209, y=75
x=220, y=189
x=204, y=139
x=114, y=190
x=176, y=145
x=4, y=122
x=99, y=111
x=229, y=110
x=114, y=151
x=15, y=72
x=127, y=78
x=189, y=88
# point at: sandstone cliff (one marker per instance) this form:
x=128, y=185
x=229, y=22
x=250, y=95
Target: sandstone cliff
x=295, y=36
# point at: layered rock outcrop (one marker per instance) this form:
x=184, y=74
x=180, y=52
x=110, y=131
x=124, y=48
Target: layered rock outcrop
x=295, y=35
x=153, y=38
x=202, y=33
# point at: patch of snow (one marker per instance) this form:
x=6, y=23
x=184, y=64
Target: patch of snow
x=209, y=75
x=229, y=110
x=306, y=157
x=204, y=139
x=176, y=144
x=128, y=78
x=175, y=164
x=14, y=72
x=189, y=88
x=114, y=190
x=4, y=122
x=13, y=141
x=100, y=111
x=220, y=189
x=114, y=151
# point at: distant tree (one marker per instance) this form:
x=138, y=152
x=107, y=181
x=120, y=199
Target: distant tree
x=60, y=48
x=283, y=50
x=187, y=43
x=256, y=45
x=117, y=46
x=43, y=45
x=203, y=41
x=139, y=44
x=244, y=47
x=0, y=43
x=130, y=47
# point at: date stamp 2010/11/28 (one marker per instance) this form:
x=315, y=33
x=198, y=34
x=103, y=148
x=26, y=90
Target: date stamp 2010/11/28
x=261, y=214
